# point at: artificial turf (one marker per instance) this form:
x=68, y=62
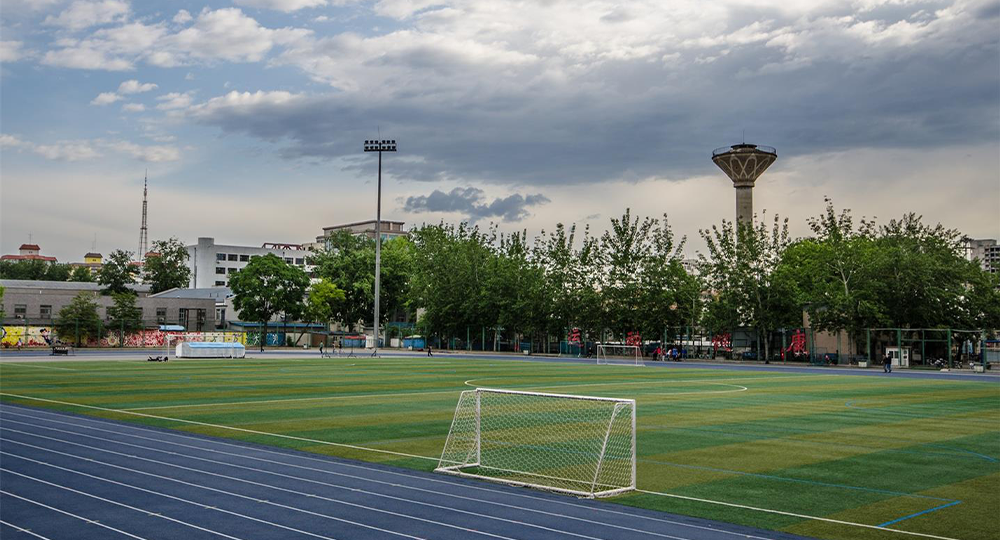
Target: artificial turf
x=857, y=449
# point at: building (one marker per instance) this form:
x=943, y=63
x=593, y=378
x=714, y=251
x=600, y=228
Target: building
x=212, y=264
x=92, y=261
x=390, y=229
x=28, y=252
x=986, y=251
x=39, y=302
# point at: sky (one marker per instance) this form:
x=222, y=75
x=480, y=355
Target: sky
x=249, y=116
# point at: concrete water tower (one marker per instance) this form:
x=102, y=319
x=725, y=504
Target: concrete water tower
x=743, y=163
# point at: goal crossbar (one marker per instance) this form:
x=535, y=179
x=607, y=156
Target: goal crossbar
x=619, y=354
x=581, y=445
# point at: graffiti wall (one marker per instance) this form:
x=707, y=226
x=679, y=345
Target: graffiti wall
x=30, y=336
x=43, y=336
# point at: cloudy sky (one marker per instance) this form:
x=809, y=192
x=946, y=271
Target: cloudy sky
x=250, y=114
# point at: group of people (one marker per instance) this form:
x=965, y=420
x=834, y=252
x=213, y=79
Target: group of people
x=672, y=353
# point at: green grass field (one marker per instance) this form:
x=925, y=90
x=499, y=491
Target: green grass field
x=851, y=449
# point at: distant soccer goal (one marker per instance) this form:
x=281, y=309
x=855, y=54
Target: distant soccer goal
x=619, y=354
x=580, y=445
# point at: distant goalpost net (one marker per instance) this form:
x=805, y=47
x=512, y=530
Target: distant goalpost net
x=619, y=354
x=580, y=445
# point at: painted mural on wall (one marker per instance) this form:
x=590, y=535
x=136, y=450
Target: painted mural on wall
x=44, y=336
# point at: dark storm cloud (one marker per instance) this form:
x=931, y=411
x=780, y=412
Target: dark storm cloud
x=469, y=202
x=632, y=118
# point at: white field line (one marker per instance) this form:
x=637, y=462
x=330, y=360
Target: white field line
x=116, y=503
x=708, y=501
x=72, y=515
x=361, y=467
x=216, y=490
x=23, y=530
x=792, y=514
x=519, y=495
x=326, y=484
x=219, y=426
x=25, y=364
x=285, y=400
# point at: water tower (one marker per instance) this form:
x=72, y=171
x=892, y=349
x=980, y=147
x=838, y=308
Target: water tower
x=743, y=164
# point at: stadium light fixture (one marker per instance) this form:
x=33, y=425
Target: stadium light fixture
x=383, y=145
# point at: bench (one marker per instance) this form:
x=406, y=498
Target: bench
x=59, y=350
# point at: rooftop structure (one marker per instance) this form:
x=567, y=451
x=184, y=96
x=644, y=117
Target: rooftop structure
x=28, y=252
x=744, y=163
x=390, y=229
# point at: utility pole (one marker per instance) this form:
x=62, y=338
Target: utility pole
x=378, y=146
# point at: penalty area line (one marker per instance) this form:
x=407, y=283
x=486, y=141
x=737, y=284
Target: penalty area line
x=802, y=516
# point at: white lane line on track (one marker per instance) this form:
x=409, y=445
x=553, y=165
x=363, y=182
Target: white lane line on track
x=72, y=515
x=181, y=499
x=370, y=479
x=295, y=492
x=327, y=484
x=22, y=529
x=116, y=503
x=707, y=501
x=219, y=426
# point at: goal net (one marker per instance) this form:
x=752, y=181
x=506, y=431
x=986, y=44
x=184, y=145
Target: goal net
x=619, y=354
x=571, y=444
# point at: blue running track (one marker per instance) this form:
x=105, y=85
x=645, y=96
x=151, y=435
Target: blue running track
x=64, y=476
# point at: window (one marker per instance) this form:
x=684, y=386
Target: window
x=233, y=270
x=233, y=257
x=288, y=260
x=161, y=315
x=20, y=311
x=45, y=312
x=220, y=283
x=299, y=260
x=244, y=258
x=220, y=270
x=220, y=256
x=182, y=316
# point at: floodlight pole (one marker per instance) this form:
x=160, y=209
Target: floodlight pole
x=378, y=146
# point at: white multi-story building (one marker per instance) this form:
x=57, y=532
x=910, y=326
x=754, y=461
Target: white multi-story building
x=390, y=229
x=211, y=264
x=986, y=251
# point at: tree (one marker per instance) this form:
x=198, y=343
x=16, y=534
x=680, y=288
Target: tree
x=166, y=267
x=81, y=274
x=34, y=269
x=80, y=319
x=749, y=287
x=268, y=286
x=322, y=303
x=57, y=272
x=117, y=273
x=124, y=316
x=3, y=314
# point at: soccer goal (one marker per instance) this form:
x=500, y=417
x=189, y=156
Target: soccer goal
x=619, y=354
x=580, y=445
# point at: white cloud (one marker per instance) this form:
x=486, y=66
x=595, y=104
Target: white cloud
x=105, y=98
x=11, y=51
x=182, y=17
x=133, y=107
x=280, y=5
x=174, y=100
x=82, y=150
x=244, y=103
x=133, y=86
x=85, y=58
x=83, y=14
x=227, y=34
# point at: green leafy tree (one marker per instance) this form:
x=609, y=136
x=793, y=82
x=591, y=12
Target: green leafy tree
x=166, y=267
x=57, y=272
x=749, y=287
x=3, y=314
x=266, y=287
x=117, y=273
x=322, y=303
x=124, y=316
x=79, y=319
x=81, y=274
x=34, y=269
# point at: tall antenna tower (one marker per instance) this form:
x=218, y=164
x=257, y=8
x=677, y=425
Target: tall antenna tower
x=143, y=238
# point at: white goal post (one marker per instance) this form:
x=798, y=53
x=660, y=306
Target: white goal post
x=580, y=445
x=619, y=354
